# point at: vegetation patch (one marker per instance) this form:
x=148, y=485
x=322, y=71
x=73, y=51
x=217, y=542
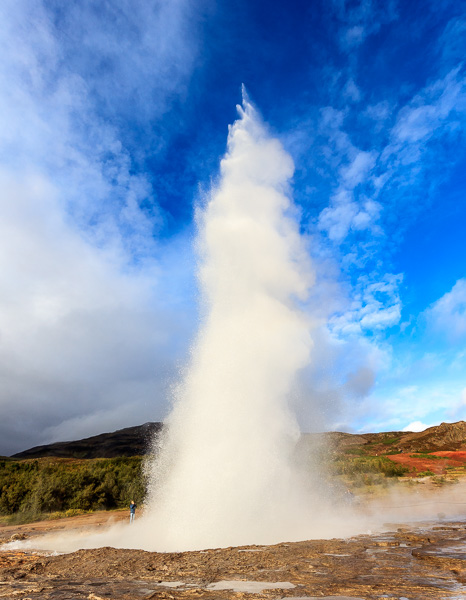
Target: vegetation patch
x=426, y=456
x=355, y=451
x=34, y=489
x=352, y=466
x=390, y=441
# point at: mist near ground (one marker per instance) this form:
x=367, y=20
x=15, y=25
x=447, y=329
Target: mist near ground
x=402, y=506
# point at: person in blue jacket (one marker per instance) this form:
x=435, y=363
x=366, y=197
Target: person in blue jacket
x=132, y=510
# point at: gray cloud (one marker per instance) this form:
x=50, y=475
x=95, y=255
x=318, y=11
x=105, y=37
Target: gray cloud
x=81, y=332
x=95, y=312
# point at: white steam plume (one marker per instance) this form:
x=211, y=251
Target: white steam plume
x=224, y=475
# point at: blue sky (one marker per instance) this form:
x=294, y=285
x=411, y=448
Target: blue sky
x=113, y=119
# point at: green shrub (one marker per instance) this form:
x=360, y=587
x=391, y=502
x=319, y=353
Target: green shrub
x=32, y=488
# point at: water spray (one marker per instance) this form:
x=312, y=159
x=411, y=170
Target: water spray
x=224, y=474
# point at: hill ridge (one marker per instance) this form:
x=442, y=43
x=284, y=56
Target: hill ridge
x=130, y=441
x=137, y=440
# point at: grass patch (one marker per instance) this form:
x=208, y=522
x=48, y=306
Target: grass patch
x=71, y=512
x=21, y=518
x=390, y=441
x=350, y=467
x=355, y=451
x=426, y=456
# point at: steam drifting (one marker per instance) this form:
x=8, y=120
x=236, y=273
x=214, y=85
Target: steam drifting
x=224, y=476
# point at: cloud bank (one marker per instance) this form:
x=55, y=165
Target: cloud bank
x=90, y=333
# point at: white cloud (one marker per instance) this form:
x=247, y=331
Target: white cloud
x=379, y=112
x=375, y=306
x=411, y=396
x=341, y=375
x=352, y=207
x=447, y=315
x=348, y=353
x=355, y=173
x=432, y=113
x=56, y=118
x=415, y=426
x=361, y=19
x=345, y=213
x=337, y=220
x=369, y=181
x=457, y=410
x=351, y=91
x=452, y=42
x=353, y=36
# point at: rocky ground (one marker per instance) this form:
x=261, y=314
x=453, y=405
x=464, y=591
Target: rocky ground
x=410, y=562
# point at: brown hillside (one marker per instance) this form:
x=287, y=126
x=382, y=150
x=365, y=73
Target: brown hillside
x=446, y=436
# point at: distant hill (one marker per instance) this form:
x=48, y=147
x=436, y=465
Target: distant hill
x=135, y=441
x=132, y=441
x=446, y=436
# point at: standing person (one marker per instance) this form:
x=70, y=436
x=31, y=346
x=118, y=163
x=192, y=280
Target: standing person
x=132, y=510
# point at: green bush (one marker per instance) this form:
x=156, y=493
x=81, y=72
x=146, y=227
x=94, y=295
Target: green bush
x=55, y=486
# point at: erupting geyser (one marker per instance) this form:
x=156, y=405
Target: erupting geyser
x=224, y=474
